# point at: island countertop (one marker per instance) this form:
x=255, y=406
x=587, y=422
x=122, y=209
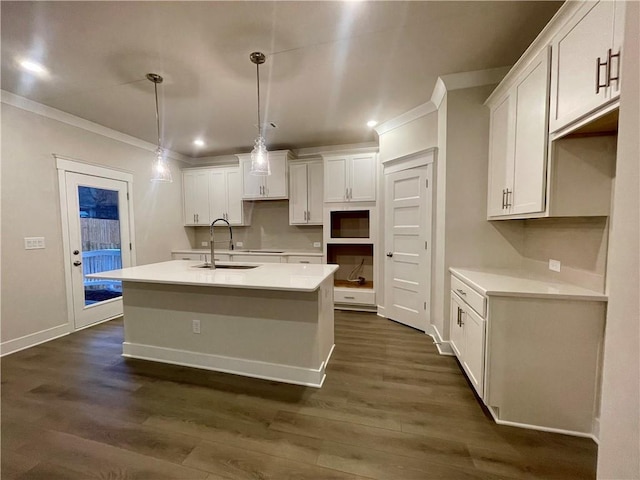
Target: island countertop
x=269, y=276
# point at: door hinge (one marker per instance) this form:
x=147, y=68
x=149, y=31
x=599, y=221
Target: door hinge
x=426, y=245
x=425, y=305
x=127, y=195
x=130, y=246
x=426, y=183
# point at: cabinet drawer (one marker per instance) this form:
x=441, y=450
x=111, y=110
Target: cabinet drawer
x=186, y=256
x=352, y=295
x=473, y=298
x=256, y=258
x=303, y=259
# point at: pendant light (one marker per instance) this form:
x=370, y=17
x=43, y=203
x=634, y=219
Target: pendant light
x=259, y=154
x=161, y=172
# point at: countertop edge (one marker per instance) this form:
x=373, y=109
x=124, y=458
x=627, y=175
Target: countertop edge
x=584, y=295
x=285, y=253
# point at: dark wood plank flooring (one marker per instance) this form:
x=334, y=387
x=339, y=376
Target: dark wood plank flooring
x=391, y=408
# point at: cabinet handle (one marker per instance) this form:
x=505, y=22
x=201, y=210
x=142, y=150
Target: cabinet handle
x=304, y=261
x=350, y=193
x=305, y=215
x=461, y=321
x=508, y=202
x=308, y=216
x=600, y=64
x=504, y=203
x=350, y=298
x=461, y=292
x=609, y=61
x=458, y=317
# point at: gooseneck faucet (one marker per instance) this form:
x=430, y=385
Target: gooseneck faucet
x=212, y=242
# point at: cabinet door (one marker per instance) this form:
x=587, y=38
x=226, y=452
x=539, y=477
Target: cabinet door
x=298, y=194
x=456, y=330
x=196, y=197
x=362, y=178
x=217, y=193
x=315, y=193
x=235, y=211
x=575, y=72
x=500, y=157
x=252, y=185
x=474, y=342
x=276, y=185
x=335, y=179
x=530, y=147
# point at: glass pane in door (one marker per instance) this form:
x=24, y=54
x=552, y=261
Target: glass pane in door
x=100, y=233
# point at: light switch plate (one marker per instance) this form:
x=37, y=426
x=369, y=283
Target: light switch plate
x=32, y=243
x=239, y=244
x=554, y=265
x=317, y=244
x=204, y=244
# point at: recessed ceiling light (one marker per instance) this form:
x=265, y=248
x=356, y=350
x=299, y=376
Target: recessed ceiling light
x=198, y=142
x=33, y=67
x=371, y=123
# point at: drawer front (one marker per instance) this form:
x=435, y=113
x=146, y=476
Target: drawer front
x=304, y=259
x=352, y=295
x=221, y=257
x=469, y=295
x=187, y=256
x=256, y=258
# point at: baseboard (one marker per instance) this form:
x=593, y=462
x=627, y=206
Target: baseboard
x=239, y=366
x=444, y=347
x=33, y=339
x=541, y=428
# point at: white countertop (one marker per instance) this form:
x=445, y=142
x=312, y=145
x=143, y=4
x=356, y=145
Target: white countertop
x=257, y=251
x=270, y=276
x=517, y=283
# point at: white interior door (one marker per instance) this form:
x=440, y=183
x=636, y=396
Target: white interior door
x=408, y=244
x=99, y=240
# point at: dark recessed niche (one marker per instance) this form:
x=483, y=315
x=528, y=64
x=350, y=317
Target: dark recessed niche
x=350, y=224
x=350, y=258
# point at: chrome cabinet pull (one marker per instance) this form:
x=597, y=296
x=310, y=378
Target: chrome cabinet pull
x=350, y=298
x=461, y=292
x=599, y=65
x=458, y=319
x=305, y=215
x=308, y=216
x=504, y=202
x=304, y=261
x=509, y=192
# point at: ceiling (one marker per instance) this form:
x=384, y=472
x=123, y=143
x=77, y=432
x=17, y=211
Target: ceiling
x=331, y=66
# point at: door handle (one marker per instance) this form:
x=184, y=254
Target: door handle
x=389, y=254
x=76, y=252
x=77, y=263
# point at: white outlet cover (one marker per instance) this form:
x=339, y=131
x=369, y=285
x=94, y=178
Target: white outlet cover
x=317, y=244
x=554, y=265
x=204, y=244
x=239, y=244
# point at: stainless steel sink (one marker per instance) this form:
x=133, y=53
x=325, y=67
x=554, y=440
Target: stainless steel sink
x=234, y=267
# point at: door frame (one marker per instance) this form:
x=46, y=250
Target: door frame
x=418, y=159
x=66, y=165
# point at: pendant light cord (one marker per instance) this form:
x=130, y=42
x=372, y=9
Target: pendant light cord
x=155, y=87
x=258, y=82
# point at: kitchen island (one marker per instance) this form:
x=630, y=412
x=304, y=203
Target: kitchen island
x=270, y=321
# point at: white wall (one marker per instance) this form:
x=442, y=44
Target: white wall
x=33, y=288
x=619, y=452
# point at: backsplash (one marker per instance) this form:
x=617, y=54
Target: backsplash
x=269, y=229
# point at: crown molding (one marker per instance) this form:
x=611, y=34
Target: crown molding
x=409, y=116
x=476, y=78
x=23, y=103
x=368, y=147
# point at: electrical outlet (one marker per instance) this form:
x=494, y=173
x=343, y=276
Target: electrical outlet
x=32, y=243
x=554, y=265
x=195, y=324
x=317, y=244
x=239, y=244
x=204, y=244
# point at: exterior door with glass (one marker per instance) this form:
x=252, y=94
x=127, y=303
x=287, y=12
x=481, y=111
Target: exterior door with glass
x=99, y=240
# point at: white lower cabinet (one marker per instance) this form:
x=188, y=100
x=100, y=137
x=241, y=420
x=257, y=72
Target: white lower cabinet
x=533, y=359
x=467, y=330
x=304, y=259
x=256, y=258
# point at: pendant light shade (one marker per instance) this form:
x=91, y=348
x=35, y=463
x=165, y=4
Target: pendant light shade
x=161, y=172
x=259, y=154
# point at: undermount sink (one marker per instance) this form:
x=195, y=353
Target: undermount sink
x=235, y=267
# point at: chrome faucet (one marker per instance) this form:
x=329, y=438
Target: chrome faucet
x=212, y=242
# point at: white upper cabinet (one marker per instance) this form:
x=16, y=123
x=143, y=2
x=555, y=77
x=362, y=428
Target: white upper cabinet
x=225, y=200
x=350, y=178
x=305, y=193
x=518, y=142
x=195, y=187
x=266, y=187
x=587, y=54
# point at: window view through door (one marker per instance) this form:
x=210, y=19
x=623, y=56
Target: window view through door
x=100, y=237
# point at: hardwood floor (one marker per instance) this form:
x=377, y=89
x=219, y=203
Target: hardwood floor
x=391, y=408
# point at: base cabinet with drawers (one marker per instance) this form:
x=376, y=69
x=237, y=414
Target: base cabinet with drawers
x=533, y=356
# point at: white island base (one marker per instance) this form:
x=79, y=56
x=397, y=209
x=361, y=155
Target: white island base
x=280, y=335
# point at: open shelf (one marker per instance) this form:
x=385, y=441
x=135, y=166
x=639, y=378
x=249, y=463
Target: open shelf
x=350, y=224
x=347, y=284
